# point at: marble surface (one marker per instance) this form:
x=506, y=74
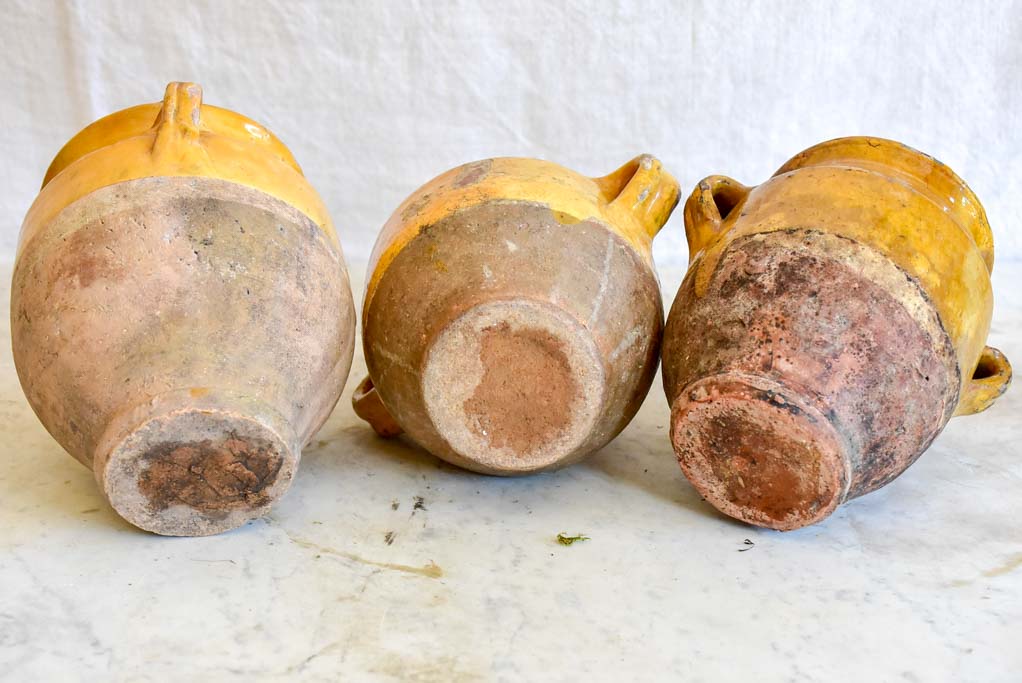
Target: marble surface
x=384, y=564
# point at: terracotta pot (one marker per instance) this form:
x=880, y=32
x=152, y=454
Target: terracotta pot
x=512, y=316
x=832, y=321
x=181, y=315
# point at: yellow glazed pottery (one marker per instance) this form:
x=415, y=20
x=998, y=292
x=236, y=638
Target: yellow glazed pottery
x=181, y=315
x=512, y=315
x=832, y=321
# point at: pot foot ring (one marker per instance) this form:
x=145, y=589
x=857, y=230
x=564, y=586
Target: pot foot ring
x=759, y=453
x=514, y=386
x=196, y=472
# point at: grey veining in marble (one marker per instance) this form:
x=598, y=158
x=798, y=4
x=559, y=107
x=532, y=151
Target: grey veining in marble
x=384, y=564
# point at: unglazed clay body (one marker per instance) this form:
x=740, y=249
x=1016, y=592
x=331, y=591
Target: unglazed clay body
x=181, y=315
x=832, y=321
x=512, y=316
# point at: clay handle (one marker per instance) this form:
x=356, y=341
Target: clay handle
x=989, y=380
x=368, y=406
x=644, y=189
x=180, y=118
x=708, y=208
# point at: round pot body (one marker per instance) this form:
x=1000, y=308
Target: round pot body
x=181, y=316
x=512, y=315
x=832, y=321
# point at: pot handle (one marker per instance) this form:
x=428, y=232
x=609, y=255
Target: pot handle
x=708, y=208
x=179, y=123
x=643, y=189
x=989, y=380
x=368, y=406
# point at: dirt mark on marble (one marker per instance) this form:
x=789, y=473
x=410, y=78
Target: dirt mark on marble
x=430, y=570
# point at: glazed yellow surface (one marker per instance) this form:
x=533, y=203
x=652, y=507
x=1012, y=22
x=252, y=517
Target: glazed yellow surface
x=879, y=193
x=634, y=201
x=178, y=137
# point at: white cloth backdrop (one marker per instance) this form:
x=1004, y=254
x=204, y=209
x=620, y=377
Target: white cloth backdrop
x=375, y=98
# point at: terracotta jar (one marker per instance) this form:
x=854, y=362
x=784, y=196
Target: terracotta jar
x=512, y=316
x=832, y=321
x=181, y=315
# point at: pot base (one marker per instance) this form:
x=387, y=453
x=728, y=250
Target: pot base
x=195, y=471
x=759, y=453
x=514, y=386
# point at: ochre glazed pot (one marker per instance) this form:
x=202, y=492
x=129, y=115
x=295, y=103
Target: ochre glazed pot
x=512, y=316
x=181, y=315
x=832, y=321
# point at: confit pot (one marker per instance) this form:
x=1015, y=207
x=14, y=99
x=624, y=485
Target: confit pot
x=181, y=316
x=832, y=321
x=512, y=315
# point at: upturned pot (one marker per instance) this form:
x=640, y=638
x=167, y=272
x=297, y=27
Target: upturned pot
x=832, y=321
x=181, y=315
x=512, y=315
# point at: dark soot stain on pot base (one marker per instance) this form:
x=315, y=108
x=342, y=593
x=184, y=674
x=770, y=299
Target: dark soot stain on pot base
x=210, y=476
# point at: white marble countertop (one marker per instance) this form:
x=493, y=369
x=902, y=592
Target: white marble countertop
x=921, y=581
